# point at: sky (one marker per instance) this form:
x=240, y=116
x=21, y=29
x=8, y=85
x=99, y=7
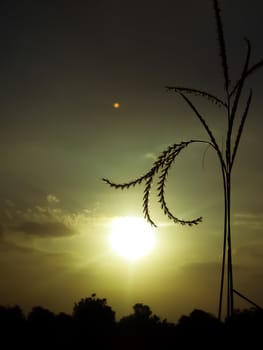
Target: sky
x=62, y=66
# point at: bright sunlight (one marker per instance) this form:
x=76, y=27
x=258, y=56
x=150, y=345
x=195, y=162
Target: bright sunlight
x=131, y=237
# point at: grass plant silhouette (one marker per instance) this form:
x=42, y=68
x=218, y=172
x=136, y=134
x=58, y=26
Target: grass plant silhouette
x=227, y=155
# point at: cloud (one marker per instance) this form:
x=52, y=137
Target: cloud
x=43, y=221
x=252, y=220
x=248, y=216
x=150, y=155
x=48, y=229
x=52, y=199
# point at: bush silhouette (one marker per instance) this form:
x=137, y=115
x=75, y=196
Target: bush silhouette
x=12, y=326
x=41, y=327
x=94, y=315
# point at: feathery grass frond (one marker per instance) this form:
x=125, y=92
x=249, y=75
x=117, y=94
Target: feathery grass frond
x=162, y=166
x=240, y=85
x=150, y=174
x=146, y=200
x=126, y=185
x=164, y=162
x=251, y=70
x=212, y=138
x=204, y=154
x=240, y=129
x=161, y=195
x=196, y=92
x=222, y=46
x=232, y=114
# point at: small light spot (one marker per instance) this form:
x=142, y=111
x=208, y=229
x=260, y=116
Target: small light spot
x=116, y=105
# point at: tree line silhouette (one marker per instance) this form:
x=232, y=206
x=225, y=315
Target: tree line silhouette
x=92, y=325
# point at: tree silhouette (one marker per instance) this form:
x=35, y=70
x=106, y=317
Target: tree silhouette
x=244, y=328
x=140, y=320
x=94, y=315
x=144, y=329
x=12, y=326
x=41, y=326
x=10, y=314
x=227, y=155
x=200, y=330
x=64, y=331
x=40, y=315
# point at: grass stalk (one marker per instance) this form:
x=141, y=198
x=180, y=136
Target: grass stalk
x=166, y=160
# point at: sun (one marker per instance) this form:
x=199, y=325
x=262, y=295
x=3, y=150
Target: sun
x=131, y=237
x=116, y=105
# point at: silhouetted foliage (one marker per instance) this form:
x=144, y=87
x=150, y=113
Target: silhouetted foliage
x=11, y=314
x=145, y=329
x=65, y=335
x=41, y=316
x=203, y=327
x=41, y=325
x=92, y=325
x=94, y=314
x=12, y=325
x=245, y=327
x=140, y=321
x=94, y=319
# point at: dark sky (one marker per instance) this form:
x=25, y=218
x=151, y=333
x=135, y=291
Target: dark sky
x=62, y=66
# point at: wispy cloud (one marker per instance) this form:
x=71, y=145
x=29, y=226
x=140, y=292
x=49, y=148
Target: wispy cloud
x=150, y=155
x=48, y=229
x=52, y=199
x=44, y=221
x=248, y=219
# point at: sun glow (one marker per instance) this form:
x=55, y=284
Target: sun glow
x=131, y=237
x=116, y=105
